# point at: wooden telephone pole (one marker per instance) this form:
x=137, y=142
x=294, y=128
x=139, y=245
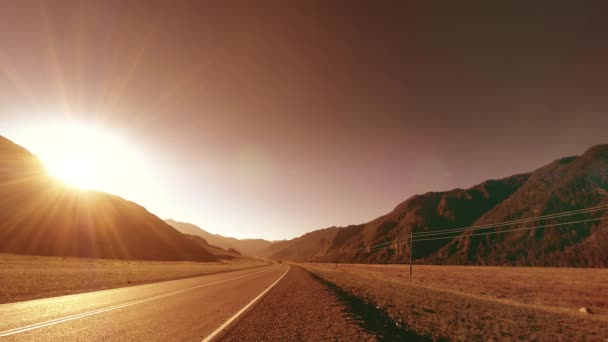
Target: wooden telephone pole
x=411, y=251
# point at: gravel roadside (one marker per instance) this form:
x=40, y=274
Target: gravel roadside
x=298, y=308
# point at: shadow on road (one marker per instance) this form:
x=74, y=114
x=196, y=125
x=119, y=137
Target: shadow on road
x=373, y=319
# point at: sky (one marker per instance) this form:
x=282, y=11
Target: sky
x=270, y=119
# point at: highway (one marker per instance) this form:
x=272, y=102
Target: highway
x=193, y=309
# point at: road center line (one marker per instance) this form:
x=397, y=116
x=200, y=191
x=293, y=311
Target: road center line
x=115, y=307
x=223, y=326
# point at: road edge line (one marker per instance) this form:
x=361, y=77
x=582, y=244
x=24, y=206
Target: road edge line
x=231, y=319
x=34, y=326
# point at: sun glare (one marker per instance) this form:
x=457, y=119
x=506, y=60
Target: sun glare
x=83, y=156
x=76, y=167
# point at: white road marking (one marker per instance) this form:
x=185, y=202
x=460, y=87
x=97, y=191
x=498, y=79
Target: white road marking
x=114, y=307
x=223, y=326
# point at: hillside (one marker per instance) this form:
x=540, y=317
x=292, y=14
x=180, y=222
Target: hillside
x=43, y=217
x=218, y=252
x=449, y=209
x=250, y=247
x=566, y=184
x=305, y=248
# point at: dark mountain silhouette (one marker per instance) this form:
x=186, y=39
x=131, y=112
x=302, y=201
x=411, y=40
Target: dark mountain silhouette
x=250, y=247
x=232, y=250
x=310, y=246
x=567, y=184
x=39, y=216
x=216, y=251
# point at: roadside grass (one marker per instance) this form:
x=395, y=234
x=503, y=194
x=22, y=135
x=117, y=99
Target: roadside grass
x=24, y=277
x=481, y=303
x=372, y=318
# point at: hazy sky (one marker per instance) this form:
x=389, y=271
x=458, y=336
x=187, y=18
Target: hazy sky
x=273, y=118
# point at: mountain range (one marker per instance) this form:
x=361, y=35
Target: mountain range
x=40, y=216
x=251, y=247
x=567, y=184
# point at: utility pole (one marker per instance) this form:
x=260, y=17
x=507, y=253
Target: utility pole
x=411, y=250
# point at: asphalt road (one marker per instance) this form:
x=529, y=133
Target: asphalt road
x=180, y=310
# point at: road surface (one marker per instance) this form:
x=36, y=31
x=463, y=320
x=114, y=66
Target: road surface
x=180, y=310
x=301, y=308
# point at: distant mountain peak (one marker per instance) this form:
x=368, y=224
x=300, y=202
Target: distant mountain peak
x=250, y=247
x=568, y=183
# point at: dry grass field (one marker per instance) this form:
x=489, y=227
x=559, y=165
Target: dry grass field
x=483, y=303
x=25, y=277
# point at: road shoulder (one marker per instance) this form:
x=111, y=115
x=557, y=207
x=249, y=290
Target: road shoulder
x=298, y=308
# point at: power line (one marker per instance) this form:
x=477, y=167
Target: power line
x=407, y=239
x=508, y=223
x=486, y=226
x=517, y=229
x=485, y=233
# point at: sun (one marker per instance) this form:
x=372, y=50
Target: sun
x=77, y=166
x=88, y=157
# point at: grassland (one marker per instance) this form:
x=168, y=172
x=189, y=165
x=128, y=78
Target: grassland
x=32, y=277
x=483, y=303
